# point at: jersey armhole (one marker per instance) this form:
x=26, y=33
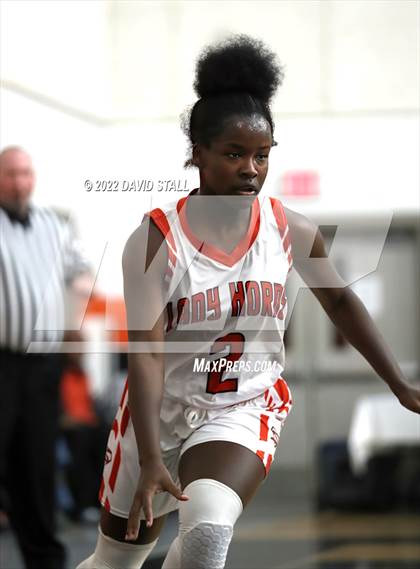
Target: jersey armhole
x=158, y=217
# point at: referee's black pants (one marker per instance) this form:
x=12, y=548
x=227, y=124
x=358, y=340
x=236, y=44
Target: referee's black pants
x=29, y=396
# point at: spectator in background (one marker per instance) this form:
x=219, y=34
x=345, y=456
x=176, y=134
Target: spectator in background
x=86, y=435
x=38, y=261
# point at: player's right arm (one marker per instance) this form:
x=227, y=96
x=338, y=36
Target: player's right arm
x=344, y=307
x=144, y=263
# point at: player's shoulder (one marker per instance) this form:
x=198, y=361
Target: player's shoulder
x=153, y=231
x=163, y=216
x=273, y=211
x=147, y=234
x=303, y=231
x=297, y=221
x=289, y=216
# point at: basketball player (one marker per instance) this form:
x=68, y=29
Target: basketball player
x=207, y=417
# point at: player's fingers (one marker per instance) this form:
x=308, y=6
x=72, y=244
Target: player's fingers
x=147, y=508
x=133, y=522
x=177, y=492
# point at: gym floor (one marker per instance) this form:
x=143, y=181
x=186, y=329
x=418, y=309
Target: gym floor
x=281, y=530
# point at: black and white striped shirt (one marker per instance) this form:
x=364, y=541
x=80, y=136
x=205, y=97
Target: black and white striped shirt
x=37, y=261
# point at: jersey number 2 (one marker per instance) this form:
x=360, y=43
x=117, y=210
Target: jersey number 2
x=215, y=384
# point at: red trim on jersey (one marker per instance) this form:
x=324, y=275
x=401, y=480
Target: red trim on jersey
x=115, y=468
x=264, y=428
x=279, y=216
x=161, y=222
x=172, y=257
x=107, y=505
x=282, y=225
x=213, y=252
x=268, y=465
x=286, y=242
x=124, y=420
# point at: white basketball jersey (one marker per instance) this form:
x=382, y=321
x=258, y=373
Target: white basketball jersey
x=225, y=315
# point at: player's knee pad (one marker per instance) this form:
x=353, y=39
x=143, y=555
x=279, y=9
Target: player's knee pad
x=86, y=563
x=206, y=524
x=112, y=554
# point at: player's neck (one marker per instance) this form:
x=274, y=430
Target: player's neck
x=218, y=212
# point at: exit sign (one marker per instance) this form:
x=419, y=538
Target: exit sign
x=300, y=183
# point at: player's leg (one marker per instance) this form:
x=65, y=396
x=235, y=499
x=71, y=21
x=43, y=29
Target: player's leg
x=113, y=552
x=120, y=475
x=116, y=528
x=222, y=465
x=220, y=478
x=231, y=464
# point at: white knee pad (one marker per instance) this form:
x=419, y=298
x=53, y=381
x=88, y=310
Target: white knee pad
x=206, y=524
x=112, y=554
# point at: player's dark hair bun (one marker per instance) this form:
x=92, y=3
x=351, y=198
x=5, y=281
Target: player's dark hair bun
x=234, y=78
x=238, y=64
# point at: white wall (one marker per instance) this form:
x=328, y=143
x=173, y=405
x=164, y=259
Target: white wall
x=134, y=60
x=339, y=55
x=58, y=49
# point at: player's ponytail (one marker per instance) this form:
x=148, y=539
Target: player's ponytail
x=236, y=77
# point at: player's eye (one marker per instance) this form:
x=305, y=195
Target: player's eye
x=233, y=155
x=262, y=157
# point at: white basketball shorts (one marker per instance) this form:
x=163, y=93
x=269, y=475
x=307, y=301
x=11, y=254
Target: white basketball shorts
x=254, y=424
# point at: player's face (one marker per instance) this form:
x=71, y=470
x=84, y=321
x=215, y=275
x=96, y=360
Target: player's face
x=236, y=163
x=17, y=181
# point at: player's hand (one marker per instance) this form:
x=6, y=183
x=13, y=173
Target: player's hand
x=154, y=478
x=409, y=397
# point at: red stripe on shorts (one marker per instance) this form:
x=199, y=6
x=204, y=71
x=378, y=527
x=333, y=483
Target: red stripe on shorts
x=124, y=420
x=282, y=390
x=101, y=490
x=115, y=428
x=115, y=468
x=264, y=428
x=260, y=455
x=124, y=393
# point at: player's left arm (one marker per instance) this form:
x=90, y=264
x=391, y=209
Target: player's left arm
x=344, y=307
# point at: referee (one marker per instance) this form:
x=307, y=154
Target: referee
x=38, y=260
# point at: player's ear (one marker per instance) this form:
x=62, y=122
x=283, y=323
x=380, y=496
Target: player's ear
x=196, y=155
